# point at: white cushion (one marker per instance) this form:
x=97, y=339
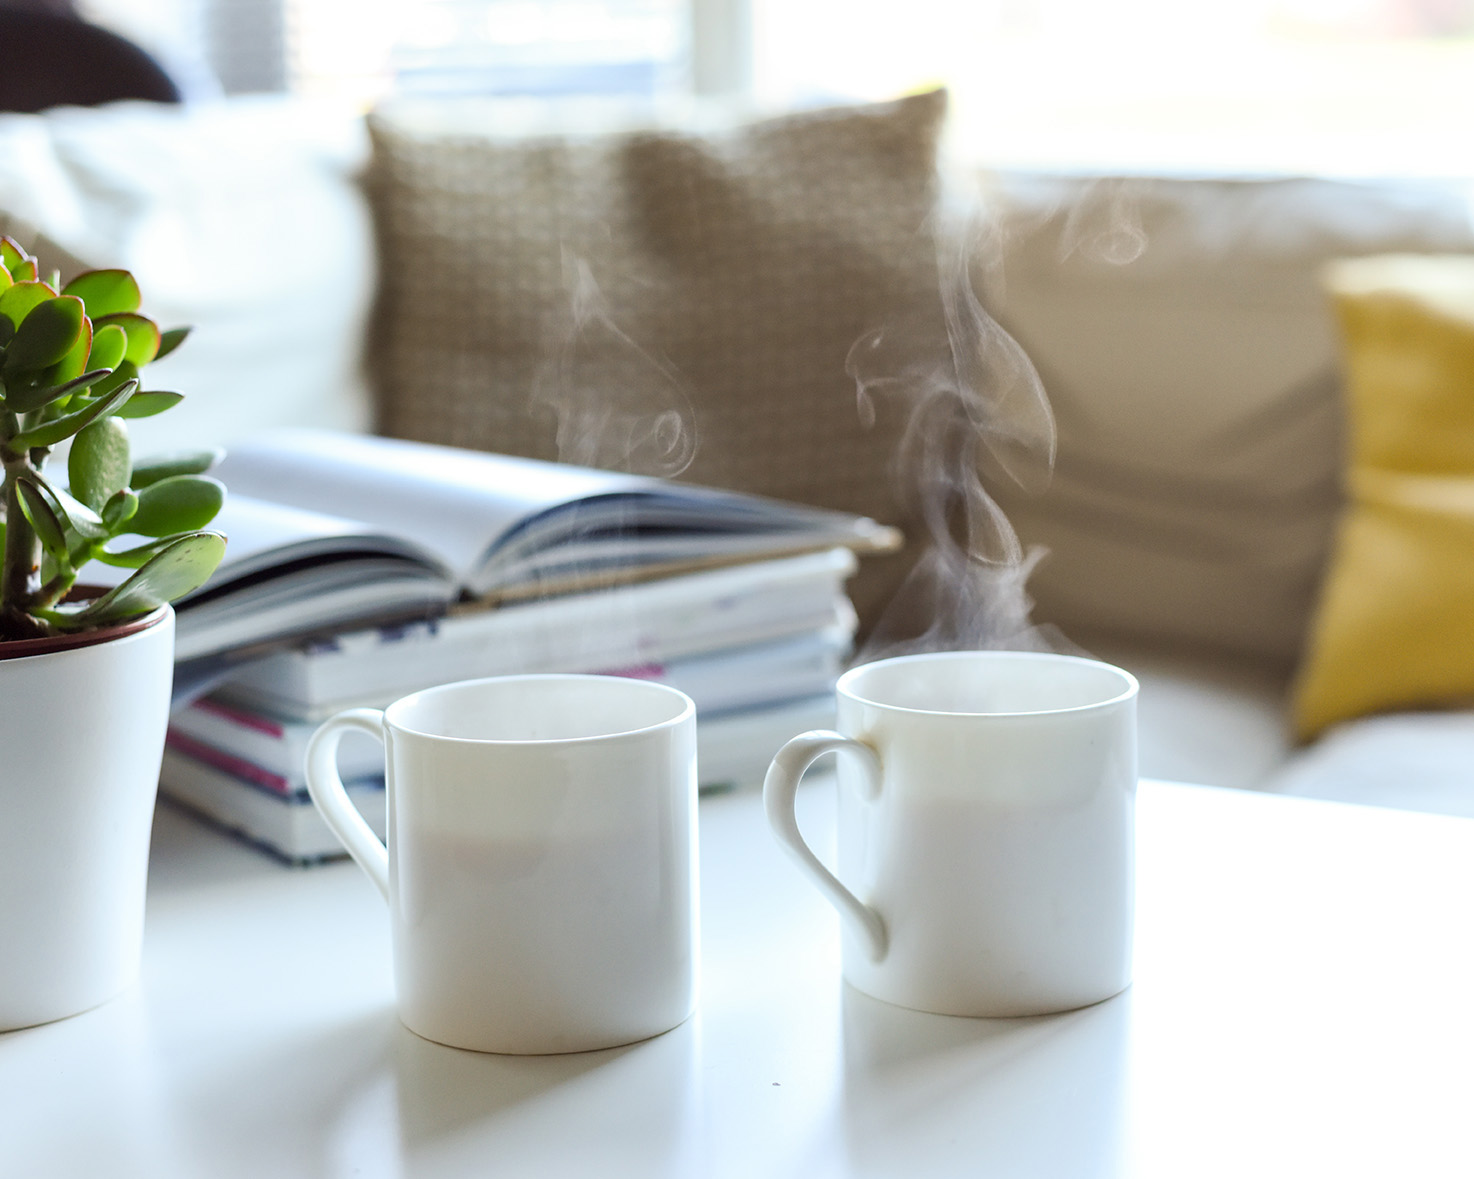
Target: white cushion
x=241, y=217
x=1417, y=761
x=1217, y=721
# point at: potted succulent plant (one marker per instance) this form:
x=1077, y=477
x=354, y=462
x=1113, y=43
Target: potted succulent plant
x=85, y=671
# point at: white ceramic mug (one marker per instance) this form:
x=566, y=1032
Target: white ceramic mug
x=985, y=829
x=541, y=859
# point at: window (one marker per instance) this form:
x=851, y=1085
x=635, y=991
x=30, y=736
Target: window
x=1334, y=86
x=362, y=50
x=1340, y=86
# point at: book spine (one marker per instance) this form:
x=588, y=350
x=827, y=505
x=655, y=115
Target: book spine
x=233, y=764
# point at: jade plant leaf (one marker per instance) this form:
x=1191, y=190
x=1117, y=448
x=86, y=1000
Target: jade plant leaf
x=25, y=271
x=17, y=301
x=74, y=363
x=137, y=557
x=50, y=433
x=109, y=345
x=144, y=336
x=185, y=462
x=180, y=503
x=178, y=568
x=77, y=516
x=12, y=253
x=145, y=405
x=105, y=292
x=119, y=510
x=100, y=462
x=50, y=530
x=171, y=340
x=46, y=335
x=125, y=371
x=30, y=397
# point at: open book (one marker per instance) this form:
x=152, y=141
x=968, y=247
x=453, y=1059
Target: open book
x=329, y=530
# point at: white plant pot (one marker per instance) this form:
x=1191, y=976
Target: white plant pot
x=81, y=738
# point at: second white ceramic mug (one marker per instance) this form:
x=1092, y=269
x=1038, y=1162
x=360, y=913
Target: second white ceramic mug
x=986, y=844
x=541, y=860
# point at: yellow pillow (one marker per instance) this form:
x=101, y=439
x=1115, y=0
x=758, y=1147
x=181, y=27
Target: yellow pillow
x=1394, y=627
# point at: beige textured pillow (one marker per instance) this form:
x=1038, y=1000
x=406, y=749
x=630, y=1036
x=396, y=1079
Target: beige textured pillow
x=1190, y=356
x=612, y=287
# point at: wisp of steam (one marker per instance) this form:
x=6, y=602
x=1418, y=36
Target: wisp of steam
x=973, y=407
x=972, y=404
x=616, y=405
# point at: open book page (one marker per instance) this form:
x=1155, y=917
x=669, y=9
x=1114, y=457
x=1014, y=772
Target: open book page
x=288, y=571
x=264, y=535
x=664, y=529
x=513, y=527
x=454, y=503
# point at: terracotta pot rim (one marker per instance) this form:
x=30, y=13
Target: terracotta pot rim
x=48, y=644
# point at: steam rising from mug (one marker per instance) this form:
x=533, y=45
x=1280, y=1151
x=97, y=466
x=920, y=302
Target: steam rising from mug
x=973, y=405
x=617, y=406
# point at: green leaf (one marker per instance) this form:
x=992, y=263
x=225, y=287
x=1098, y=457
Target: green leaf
x=144, y=336
x=36, y=396
x=50, y=433
x=119, y=510
x=100, y=462
x=50, y=530
x=18, y=301
x=178, y=568
x=185, y=462
x=126, y=371
x=74, y=363
x=12, y=253
x=26, y=272
x=181, y=503
x=46, y=335
x=77, y=516
x=5, y=277
x=171, y=340
x=105, y=292
x=109, y=346
x=135, y=558
x=145, y=405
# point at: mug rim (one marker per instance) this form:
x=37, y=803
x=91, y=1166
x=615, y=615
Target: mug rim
x=688, y=709
x=844, y=686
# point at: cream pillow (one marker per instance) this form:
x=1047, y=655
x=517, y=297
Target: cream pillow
x=1185, y=342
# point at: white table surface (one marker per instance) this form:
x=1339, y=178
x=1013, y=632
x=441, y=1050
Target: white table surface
x=1304, y=1006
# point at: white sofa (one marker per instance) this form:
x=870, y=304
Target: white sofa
x=1178, y=325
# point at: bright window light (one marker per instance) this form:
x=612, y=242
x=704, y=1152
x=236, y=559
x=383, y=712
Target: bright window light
x=1360, y=87
x=1339, y=86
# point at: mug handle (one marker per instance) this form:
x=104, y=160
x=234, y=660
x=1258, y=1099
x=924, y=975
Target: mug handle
x=779, y=789
x=332, y=801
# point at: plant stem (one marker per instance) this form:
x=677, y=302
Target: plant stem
x=19, y=560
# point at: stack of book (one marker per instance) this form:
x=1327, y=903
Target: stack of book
x=362, y=569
